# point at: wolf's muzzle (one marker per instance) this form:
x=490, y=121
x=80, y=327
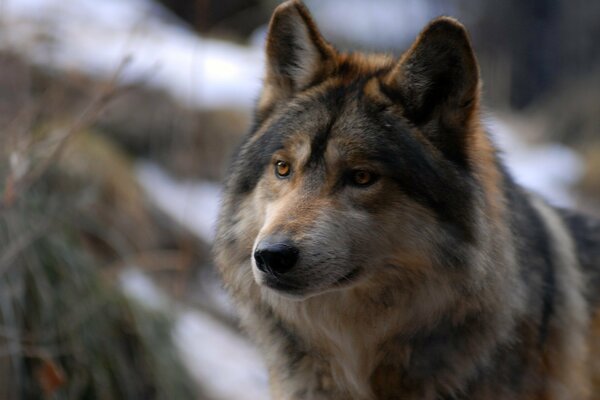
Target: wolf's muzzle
x=275, y=258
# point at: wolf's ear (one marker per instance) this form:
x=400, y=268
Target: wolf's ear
x=439, y=70
x=437, y=81
x=296, y=53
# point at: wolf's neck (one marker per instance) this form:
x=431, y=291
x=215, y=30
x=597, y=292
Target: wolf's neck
x=357, y=341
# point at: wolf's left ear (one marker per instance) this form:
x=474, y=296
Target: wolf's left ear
x=437, y=80
x=296, y=53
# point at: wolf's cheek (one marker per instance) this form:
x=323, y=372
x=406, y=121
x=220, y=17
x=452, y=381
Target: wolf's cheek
x=394, y=227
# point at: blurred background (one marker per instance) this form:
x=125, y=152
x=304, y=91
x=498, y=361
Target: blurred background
x=117, y=118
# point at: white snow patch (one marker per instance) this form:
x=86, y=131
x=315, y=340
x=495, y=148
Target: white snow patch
x=550, y=170
x=227, y=366
x=139, y=287
x=219, y=357
x=96, y=36
x=194, y=204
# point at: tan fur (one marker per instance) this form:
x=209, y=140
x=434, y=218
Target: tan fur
x=482, y=155
x=373, y=91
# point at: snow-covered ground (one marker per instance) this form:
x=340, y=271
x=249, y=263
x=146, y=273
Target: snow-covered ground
x=192, y=204
x=226, y=365
x=97, y=36
x=548, y=169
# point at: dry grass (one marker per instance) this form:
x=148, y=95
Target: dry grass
x=66, y=329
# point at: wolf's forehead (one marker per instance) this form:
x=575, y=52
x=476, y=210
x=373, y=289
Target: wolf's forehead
x=330, y=134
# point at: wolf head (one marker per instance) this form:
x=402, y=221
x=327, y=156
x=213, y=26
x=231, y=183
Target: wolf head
x=359, y=168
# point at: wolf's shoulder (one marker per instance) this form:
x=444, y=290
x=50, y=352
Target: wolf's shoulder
x=585, y=230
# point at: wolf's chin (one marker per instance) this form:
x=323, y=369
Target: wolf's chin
x=301, y=295
x=293, y=296
x=346, y=282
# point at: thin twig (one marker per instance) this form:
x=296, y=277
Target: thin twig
x=88, y=115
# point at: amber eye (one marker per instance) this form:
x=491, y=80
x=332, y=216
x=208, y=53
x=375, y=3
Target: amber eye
x=282, y=169
x=362, y=178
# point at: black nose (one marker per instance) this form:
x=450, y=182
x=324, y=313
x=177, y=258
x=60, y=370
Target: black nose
x=276, y=258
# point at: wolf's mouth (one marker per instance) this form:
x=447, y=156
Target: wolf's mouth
x=282, y=285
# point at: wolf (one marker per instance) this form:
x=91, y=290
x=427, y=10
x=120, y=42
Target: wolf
x=377, y=248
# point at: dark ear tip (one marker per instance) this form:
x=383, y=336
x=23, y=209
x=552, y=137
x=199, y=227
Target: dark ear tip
x=446, y=21
x=289, y=5
x=284, y=16
x=449, y=27
x=291, y=10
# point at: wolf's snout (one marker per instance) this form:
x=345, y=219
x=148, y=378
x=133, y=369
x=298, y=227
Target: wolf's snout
x=275, y=258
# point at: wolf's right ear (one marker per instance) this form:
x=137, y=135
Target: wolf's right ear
x=296, y=53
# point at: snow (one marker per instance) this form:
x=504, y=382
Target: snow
x=227, y=366
x=140, y=288
x=220, y=358
x=194, y=204
x=549, y=169
x=97, y=36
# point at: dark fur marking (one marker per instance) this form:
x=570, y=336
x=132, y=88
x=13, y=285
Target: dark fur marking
x=436, y=184
x=586, y=232
x=332, y=100
x=251, y=159
x=533, y=239
x=249, y=164
x=450, y=141
x=289, y=54
x=434, y=354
